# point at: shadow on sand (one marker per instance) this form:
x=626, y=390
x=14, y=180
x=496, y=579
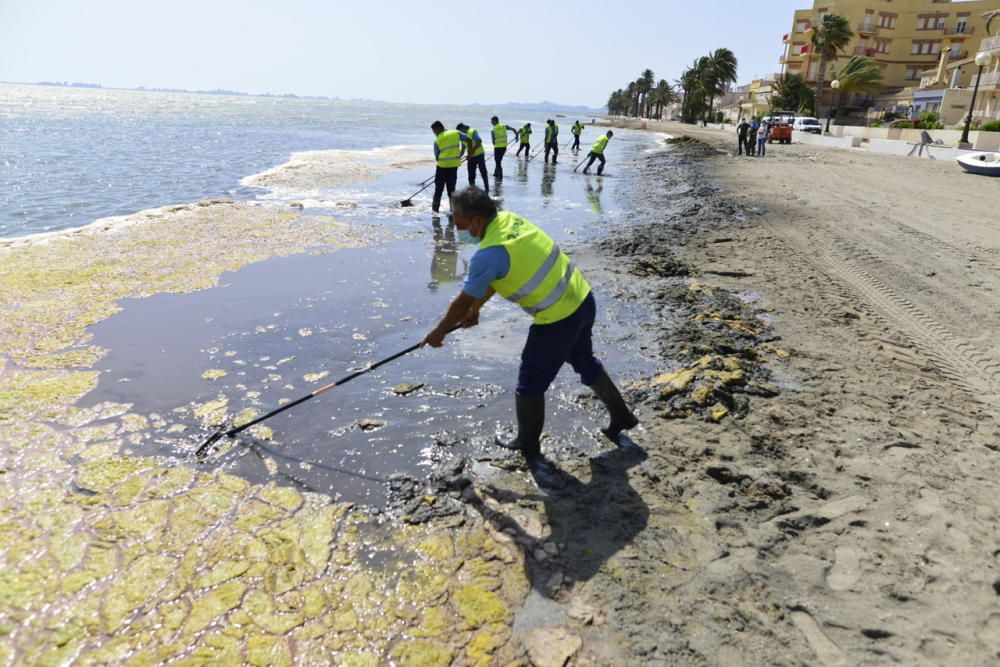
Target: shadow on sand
x=588, y=522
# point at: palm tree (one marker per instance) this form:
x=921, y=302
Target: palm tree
x=634, y=97
x=832, y=35
x=720, y=72
x=860, y=75
x=662, y=95
x=645, y=84
x=792, y=94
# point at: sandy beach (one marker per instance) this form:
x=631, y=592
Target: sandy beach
x=813, y=481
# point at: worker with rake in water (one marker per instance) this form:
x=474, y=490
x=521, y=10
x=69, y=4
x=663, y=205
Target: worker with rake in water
x=524, y=265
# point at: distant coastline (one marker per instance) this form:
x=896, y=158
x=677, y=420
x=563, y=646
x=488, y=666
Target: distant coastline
x=509, y=106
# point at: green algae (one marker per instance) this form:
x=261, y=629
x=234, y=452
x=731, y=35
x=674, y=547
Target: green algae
x=186, y=567
x=103, y=474
x=422, y=653
x=478, y=606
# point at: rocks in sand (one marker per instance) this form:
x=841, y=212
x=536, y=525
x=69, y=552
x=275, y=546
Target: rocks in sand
x=407, y=388
x=551, y=647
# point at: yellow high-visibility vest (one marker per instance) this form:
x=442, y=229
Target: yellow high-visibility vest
x=480, y=150
x=500, y=136
x=542, y=280
x=449, y=145
x=600, y=145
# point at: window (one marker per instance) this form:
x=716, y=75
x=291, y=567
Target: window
x=924, y=47
x=882, y=45
x=913, y=73
x=801, y=26
x=961, y=27
x=887, y=21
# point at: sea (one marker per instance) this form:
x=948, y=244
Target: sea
x=70, y=156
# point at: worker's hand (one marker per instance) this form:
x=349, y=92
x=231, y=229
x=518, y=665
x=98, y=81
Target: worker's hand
x=435, y=338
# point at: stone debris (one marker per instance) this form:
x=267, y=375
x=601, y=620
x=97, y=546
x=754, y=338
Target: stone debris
x=407, y=388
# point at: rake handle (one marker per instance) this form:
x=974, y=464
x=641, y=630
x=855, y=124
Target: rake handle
x=233, y=431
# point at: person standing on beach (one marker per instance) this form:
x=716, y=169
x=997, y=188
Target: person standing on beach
x=551, y=140
x=752, y=138
x=524, y=265
x=477, y=155
x=577, y=130
x=524, y=134
x=597, y=152
x=499, y=136
x=448, y=148
x=742, y=129
x=765, y=129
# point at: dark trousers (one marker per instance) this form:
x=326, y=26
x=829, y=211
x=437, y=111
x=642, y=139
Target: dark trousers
x=752, y=143
x=554, y=147
x=576, y=141
x=526, y=147
x=549, y=346
x=478, y=162
x=742, y=141
x=443, y=177
x=595, y=156
x=498, y=154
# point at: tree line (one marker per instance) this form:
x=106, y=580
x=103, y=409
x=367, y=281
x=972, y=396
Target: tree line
x=709, y=77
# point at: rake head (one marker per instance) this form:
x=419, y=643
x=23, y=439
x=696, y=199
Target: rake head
x=405, y=203
x=202, y=452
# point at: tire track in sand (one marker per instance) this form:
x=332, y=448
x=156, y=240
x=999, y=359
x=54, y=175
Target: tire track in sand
x=957, y=359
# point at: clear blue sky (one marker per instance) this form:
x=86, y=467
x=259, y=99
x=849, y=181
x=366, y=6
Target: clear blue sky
x=572, y=52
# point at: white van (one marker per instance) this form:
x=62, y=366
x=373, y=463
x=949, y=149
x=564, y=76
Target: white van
x=807, y=124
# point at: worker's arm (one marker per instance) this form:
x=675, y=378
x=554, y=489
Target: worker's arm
x=457, y=312
x=472, y=317
x=477, y=141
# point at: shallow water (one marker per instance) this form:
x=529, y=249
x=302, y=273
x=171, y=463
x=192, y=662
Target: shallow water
x=272, y=323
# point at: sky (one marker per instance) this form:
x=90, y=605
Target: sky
x=570, y=52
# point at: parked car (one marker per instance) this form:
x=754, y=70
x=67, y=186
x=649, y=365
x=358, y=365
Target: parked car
x=807, y=124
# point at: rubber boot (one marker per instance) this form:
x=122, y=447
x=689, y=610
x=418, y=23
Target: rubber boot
x=622, y=418
x=530, y=420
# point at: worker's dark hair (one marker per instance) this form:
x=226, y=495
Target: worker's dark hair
x=437, y=125
x=461, y=127
x=494, y=120
x=610, y=133
x=474, y=202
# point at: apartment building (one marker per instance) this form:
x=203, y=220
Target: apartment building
x=905, y=37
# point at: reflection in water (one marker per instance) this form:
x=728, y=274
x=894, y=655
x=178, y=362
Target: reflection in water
x=548, y=178
x=594, y=196
x=444, y=261
x=522, y=171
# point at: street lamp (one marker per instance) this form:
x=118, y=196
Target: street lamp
x=982, y=59
x=835, y=84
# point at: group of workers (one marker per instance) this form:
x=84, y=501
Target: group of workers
x=522, y=263
x=451, y=145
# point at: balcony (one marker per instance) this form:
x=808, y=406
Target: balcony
x=867, y=28
x=988, y=81
x=990, y=44
x=867, y=51
x=964, y=31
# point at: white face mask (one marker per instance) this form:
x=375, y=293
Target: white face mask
x=466, y=237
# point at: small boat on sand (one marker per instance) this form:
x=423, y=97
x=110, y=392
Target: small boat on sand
x=985, y=164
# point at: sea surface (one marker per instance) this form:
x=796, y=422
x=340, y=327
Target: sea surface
x=70, y=156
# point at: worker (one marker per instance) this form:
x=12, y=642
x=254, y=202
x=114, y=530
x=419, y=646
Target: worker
x=551, y=140
x=499, y=135
x=597, y=152
x=524, y=265
x=477, y=155
x=577, y=130
x=524, y=134
x=449, y=145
